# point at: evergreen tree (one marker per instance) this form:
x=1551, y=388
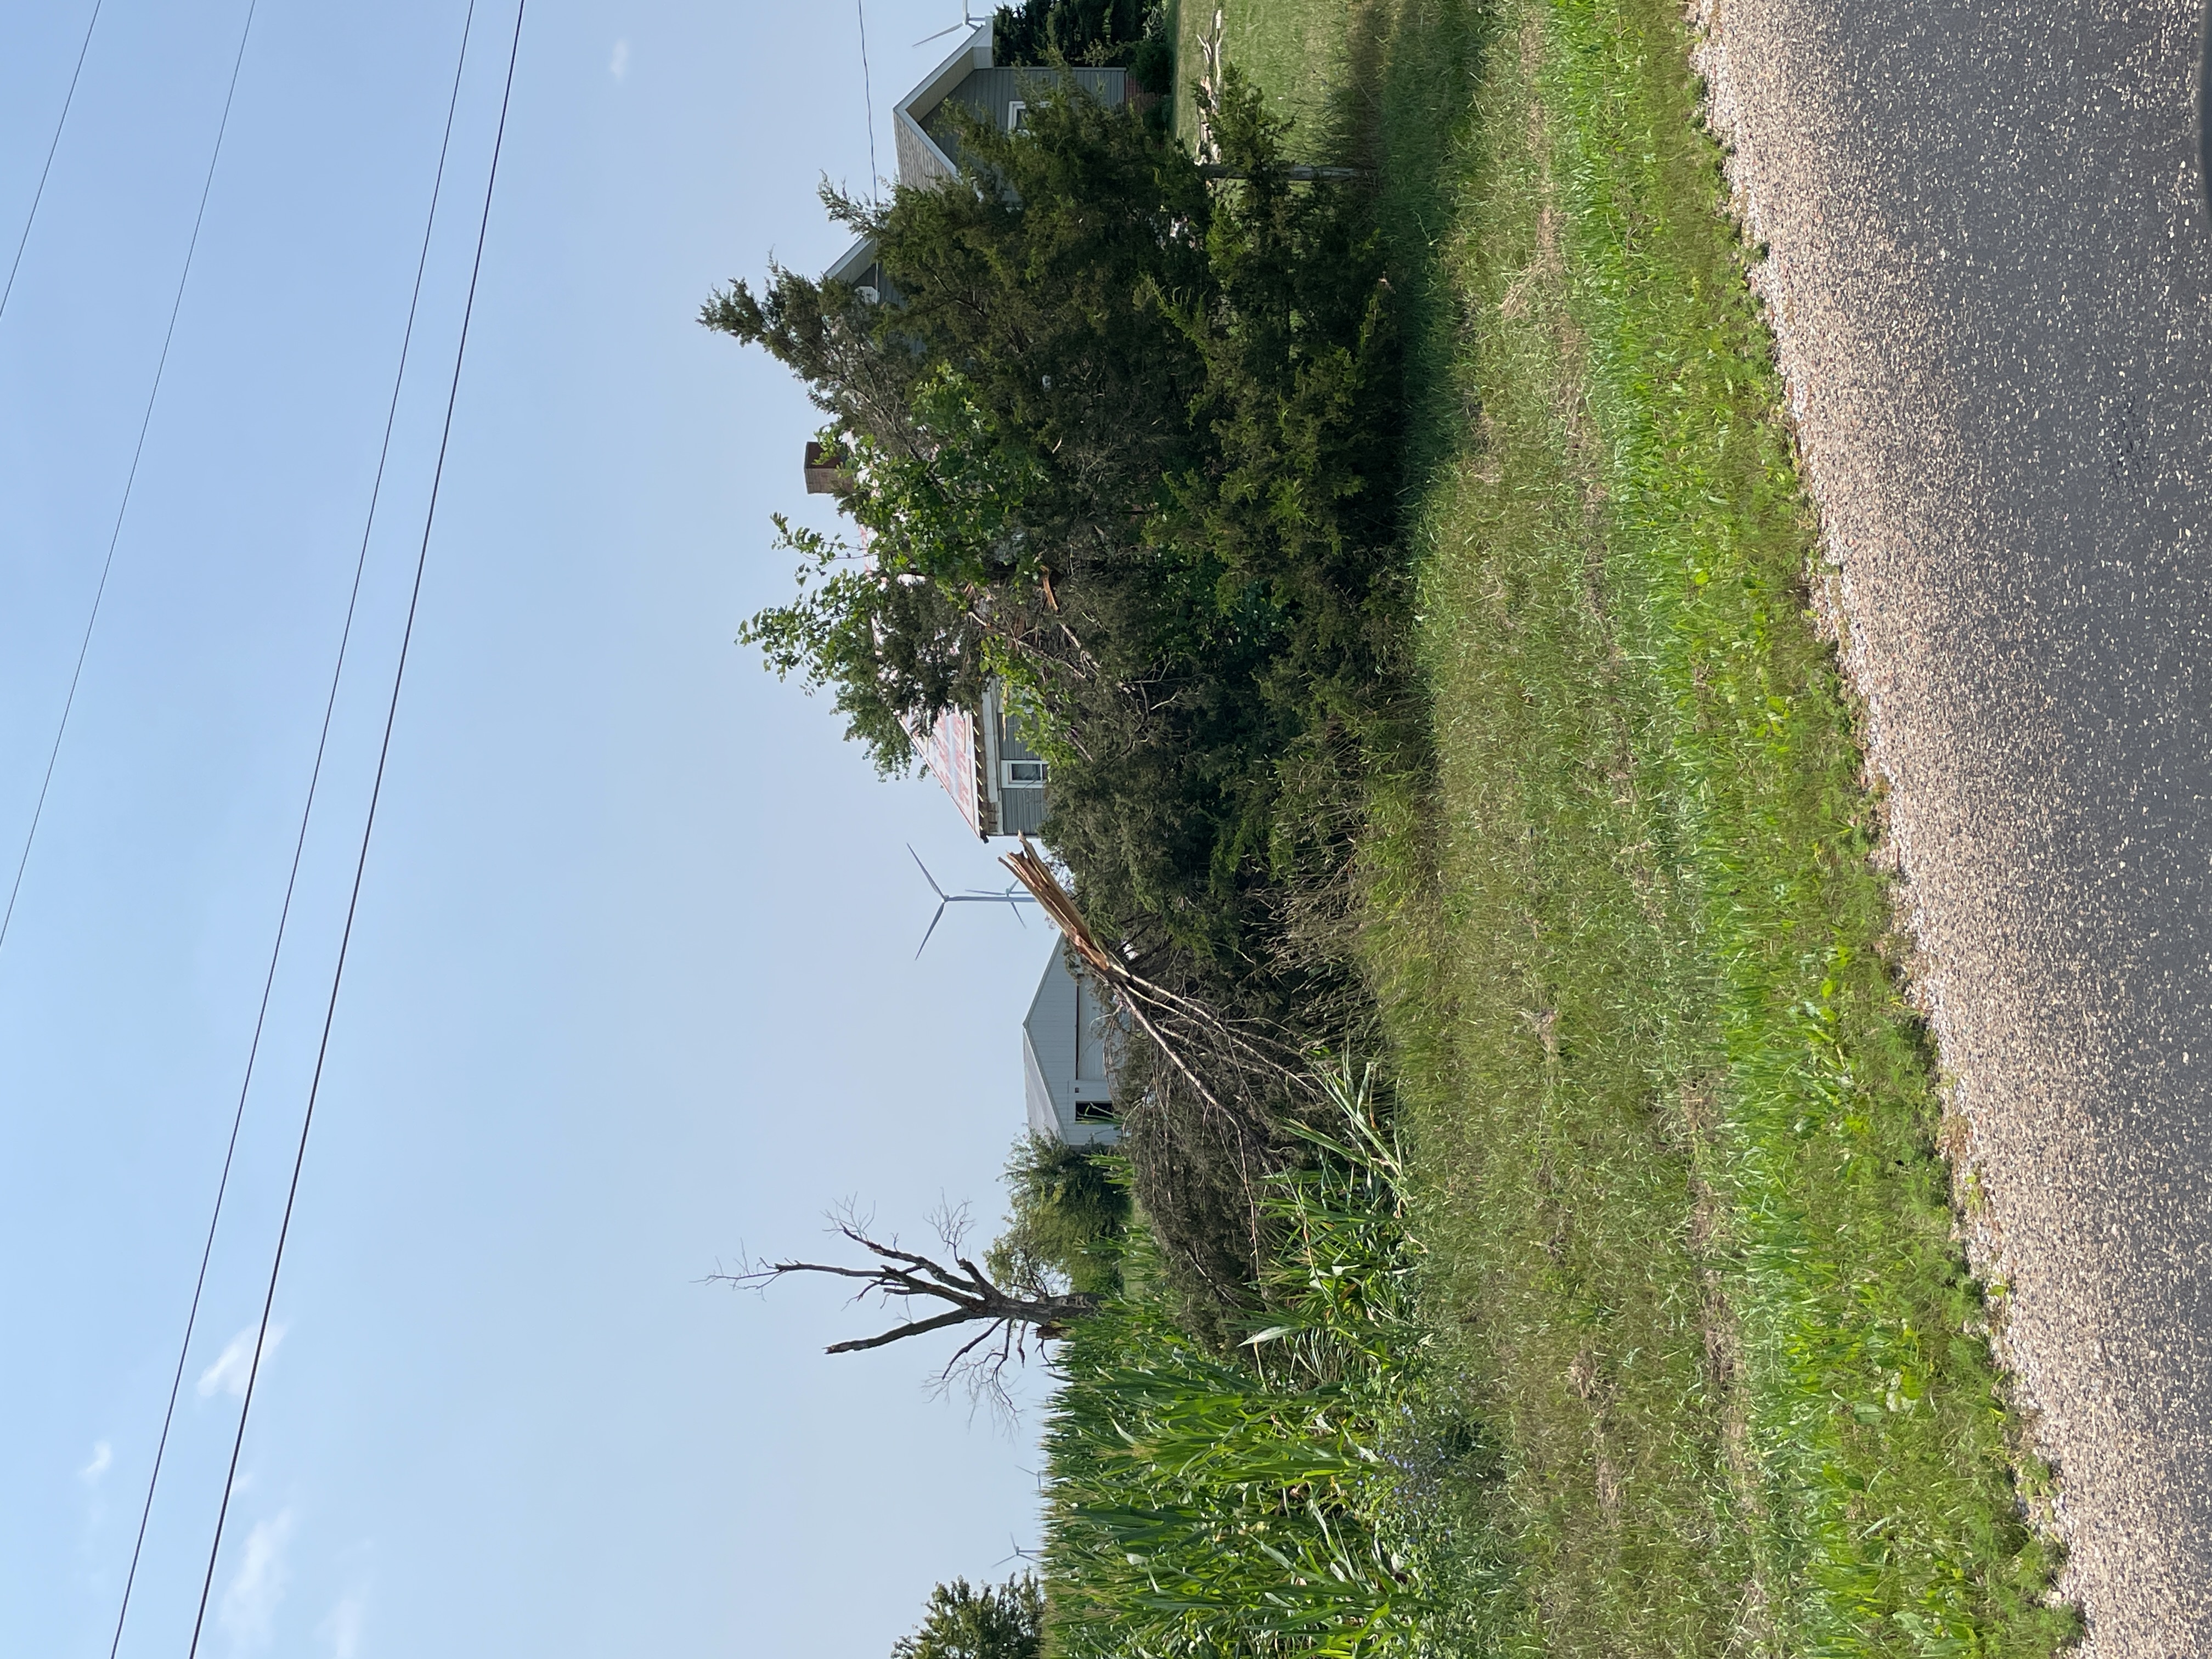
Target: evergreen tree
x=1097, y=32
x=1124, y=438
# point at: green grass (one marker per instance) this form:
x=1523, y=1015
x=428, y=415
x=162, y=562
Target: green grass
x=1692, y=1251
x=1298, y=53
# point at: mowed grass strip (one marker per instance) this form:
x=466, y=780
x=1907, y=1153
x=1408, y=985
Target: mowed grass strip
x=1694, y=1263
x=1547, y=984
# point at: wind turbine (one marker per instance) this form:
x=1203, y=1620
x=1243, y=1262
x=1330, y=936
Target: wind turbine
x=965, y=22
x=1012, y=898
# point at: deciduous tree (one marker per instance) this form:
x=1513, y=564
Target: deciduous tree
x=994, y=1621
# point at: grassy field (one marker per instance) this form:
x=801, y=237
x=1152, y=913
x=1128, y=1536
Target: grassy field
x=1691, y=1250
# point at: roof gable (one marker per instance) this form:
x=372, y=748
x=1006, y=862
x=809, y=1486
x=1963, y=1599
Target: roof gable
x=920, y=160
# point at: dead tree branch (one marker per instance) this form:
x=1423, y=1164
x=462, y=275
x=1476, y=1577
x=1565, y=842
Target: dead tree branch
x=1232, y=1068
x=1013, y=1317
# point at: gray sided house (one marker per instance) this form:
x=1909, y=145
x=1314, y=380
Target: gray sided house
x=997, y=780
x=924, y=131
x=923, y=125
x=1065, y=1058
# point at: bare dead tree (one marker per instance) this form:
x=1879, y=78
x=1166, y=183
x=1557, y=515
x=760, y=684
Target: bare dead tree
x=1013, y=1317
x=1232, y=1068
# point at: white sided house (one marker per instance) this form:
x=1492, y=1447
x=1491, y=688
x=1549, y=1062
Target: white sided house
x=1066, y=1061
x=995, y=780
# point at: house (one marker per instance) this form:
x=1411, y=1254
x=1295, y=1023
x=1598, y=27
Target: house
x=923, y=125
x=925, y=135
x=996, y=780
x=1066, y=1060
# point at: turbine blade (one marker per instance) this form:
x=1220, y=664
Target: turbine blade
x=924, y=868
x=941, y=33
x=927, y=932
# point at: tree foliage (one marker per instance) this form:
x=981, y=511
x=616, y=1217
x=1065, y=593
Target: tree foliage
x=1100, y=32
x=992, y=1621
x=1125, y=437
x=1067, y=1210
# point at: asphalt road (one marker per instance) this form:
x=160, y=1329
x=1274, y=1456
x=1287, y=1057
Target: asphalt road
x=1991, y=270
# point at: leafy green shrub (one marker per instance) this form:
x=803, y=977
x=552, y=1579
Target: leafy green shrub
x=1151, y=66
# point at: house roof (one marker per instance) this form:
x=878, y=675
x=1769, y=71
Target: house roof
x=921, y=160
x=855, y=263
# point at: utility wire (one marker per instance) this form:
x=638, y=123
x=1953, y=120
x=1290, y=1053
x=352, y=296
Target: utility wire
x=868, y=88
x=300, y=842
x=61, y=121
x=161, y=366
x=367, y=832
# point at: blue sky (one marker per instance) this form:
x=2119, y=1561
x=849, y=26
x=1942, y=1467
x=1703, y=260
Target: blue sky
x=632, y=988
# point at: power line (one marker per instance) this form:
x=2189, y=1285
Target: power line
x=99, y=594
x=61, y=121
x=868, y=88
x=367, y=832
x=300, y=842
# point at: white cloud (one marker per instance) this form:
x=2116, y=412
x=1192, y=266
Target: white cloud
x=103, y=1455
x=232, y=1365
x=341, y=1629
x=618, y=65
x=249, y=1601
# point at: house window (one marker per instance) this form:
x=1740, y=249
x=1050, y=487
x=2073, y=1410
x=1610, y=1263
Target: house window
x=1016, y=112
x=1094, y=1111
x=1025, y=774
